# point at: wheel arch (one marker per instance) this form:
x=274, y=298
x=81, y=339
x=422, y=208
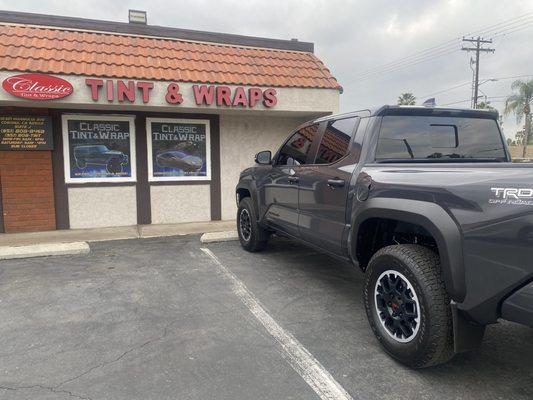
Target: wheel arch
x=430, y=217
x=247, y=189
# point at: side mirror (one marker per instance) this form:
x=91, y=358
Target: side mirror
x=263, y=157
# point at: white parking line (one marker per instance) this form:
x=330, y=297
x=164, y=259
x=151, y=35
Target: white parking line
x=300, y=359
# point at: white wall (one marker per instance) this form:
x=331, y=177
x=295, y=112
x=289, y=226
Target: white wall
x=99, y=207
x=241, y=137
x=180, y=203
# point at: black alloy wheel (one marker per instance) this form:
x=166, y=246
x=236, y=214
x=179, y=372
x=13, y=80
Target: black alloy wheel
x=245, y=225
x=397, y=306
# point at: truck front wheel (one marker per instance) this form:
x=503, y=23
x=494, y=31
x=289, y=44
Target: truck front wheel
x=407, y=305
x=252, y=236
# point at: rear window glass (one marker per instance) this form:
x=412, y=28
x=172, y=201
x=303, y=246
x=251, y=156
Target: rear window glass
x=429, y=138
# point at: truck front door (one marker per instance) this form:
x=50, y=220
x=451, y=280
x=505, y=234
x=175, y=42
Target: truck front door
x=324, y=186
x=278, y=190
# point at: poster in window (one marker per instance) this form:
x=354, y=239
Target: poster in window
x=178, y=149
x=99, y=148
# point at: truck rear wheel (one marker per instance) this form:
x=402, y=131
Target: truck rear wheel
x=252, y=236
x=407, y=305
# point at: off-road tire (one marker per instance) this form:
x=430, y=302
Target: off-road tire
x=433, y=342
x=114, y=167
x=253, y=238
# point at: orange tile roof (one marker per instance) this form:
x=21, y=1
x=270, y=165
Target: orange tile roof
x=101, y=54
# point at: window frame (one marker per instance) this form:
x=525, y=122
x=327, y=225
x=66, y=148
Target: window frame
x=130, y=119
x=149, y=149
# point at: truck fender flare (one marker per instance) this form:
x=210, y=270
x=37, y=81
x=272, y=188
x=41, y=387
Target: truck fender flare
x=431, y=217
x=250, y=187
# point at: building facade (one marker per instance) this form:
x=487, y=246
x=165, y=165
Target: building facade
x=112, y=124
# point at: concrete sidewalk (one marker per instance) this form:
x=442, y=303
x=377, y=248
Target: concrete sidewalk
x=115, y=233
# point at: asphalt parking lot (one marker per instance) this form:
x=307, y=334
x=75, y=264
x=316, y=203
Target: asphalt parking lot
x=160, y=319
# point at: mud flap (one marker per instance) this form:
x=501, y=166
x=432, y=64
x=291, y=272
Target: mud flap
x=467, y=334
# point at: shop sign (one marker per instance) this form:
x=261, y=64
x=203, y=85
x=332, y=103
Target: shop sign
x=178, y=149
x=204, y=95
x=25, y=133
x=99, y=148
x=37, y=87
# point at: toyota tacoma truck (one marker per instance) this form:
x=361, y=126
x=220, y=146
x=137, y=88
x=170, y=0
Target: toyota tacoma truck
x=426, y=201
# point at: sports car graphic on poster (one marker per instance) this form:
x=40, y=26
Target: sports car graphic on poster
x=179, y=160
x=179, y=149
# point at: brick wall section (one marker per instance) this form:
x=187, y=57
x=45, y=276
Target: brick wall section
x=27, y=191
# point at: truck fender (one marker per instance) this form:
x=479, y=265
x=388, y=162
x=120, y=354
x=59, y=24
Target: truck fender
x=250, y=187
x=431, y=217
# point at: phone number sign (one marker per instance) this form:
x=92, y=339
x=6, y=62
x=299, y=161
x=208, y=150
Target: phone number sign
x=25, y=133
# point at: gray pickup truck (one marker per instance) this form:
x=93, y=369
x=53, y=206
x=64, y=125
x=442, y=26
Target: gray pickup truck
x=425, y=201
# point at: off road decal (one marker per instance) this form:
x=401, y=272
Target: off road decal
x=512, y=196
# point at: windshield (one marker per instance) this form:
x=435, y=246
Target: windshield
x=416, y=138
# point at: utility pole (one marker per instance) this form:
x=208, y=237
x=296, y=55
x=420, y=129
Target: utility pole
x=478, y=49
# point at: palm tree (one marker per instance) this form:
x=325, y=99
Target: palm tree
x=519, y=103
x=406, y=99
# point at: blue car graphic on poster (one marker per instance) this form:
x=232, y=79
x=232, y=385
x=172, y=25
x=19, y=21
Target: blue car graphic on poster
x=99, y=155
x=99, y=148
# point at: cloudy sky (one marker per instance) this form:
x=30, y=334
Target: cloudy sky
x=376, y=49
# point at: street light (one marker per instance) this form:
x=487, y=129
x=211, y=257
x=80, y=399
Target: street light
x=488, y=80
x=478, y=85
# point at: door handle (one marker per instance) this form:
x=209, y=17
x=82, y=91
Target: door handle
x=293, y=179
x=336, y=182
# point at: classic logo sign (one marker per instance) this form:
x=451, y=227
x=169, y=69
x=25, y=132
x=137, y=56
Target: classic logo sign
x=37, y=87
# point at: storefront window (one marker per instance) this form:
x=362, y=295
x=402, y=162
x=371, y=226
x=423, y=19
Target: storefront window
x=99, y=148
x=178, y=149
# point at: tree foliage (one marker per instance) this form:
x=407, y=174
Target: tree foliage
x=519, y=102
x=406, y=99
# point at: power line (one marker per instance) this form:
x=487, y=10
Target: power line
x=446, y=90
x=467, y=100
x=501, y=25
x=515, y=29
x=497, y=78
x=408, y=63
x=505, y=27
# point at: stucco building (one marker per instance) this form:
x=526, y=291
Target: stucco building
x=114, y=124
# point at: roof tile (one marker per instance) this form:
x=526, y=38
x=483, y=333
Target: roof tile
x=62, y=51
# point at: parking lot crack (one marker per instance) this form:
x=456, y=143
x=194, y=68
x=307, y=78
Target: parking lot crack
x=120, y=357
x=57, y=388
x=48, y=388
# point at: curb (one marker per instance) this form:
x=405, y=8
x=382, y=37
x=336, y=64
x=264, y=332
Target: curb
x=43, y=249
x=213, y=237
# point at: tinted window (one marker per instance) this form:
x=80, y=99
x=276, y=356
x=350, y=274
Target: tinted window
x=336, y=140
x=295, y=150
x=416, y=137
